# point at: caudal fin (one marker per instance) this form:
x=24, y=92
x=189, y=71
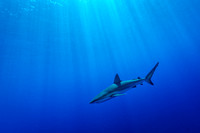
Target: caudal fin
x=150, y=74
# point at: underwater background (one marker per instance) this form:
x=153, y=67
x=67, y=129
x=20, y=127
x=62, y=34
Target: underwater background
x=56, y=55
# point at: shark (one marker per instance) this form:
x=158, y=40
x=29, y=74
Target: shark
x=119, y=87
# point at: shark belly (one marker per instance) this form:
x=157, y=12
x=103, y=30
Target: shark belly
x=104, y=99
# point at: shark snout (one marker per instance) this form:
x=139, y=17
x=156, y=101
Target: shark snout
x=93, y=101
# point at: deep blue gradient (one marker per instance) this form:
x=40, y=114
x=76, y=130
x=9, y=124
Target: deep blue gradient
x=56, y=55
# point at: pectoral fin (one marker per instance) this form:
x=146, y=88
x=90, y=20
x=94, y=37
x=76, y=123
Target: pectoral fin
x=116, y=95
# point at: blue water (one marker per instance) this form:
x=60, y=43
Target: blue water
x=56, y=55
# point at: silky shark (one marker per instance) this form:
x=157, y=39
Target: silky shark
x=119, y=87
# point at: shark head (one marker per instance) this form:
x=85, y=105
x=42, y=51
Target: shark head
x=101, y=97
x=107, y=94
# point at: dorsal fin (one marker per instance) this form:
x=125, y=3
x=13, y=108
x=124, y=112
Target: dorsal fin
x=117, y=79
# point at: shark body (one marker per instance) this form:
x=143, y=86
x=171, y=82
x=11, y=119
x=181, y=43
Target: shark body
x=119, y=87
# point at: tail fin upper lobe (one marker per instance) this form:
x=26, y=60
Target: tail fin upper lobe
x=150, y=74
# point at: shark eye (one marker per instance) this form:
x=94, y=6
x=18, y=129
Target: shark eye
x=112, y=95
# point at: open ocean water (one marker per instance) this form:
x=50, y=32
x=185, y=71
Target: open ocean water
x=56, y=55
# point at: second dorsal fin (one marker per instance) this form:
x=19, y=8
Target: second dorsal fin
x=117, y=79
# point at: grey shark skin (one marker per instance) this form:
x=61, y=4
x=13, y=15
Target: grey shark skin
x=119, y=87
